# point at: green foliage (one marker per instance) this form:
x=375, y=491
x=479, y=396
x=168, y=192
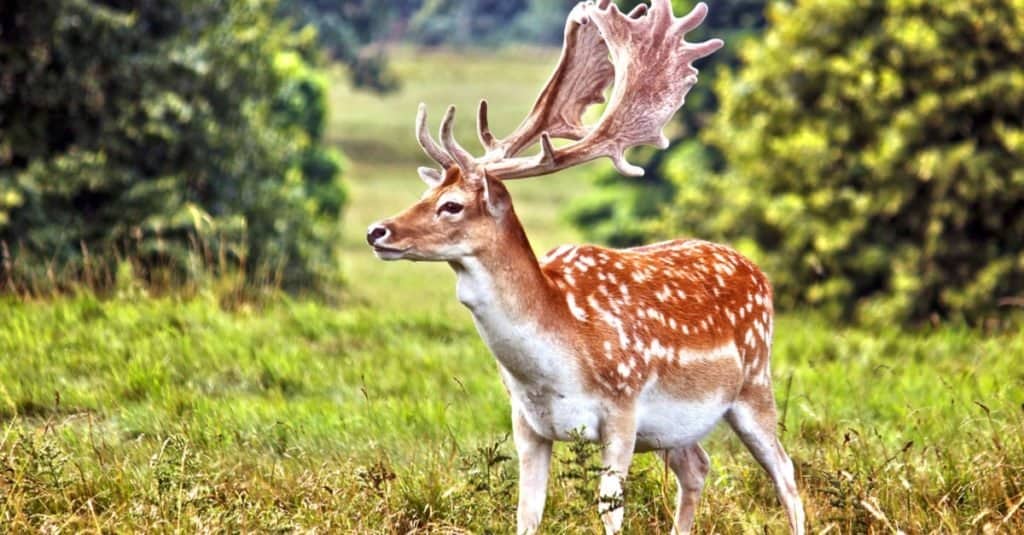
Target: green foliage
x=177, y=134
x=345, y=28
x=542, y=22
x=876, y=158
x=463, y=22
x=621, y=212
x=626, y=212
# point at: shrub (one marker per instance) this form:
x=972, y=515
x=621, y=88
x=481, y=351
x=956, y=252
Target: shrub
x=875, y=158
x=180, y=134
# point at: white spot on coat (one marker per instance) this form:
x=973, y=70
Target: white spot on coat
x=578, y=312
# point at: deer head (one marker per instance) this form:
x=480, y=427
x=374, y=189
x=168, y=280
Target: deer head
x=456, y=218
x=642, y=52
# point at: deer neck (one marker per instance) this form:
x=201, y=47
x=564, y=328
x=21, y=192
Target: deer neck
x=510, y=298
x=505, y=279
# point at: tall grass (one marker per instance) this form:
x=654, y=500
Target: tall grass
x=217, y=263
x=153, y=414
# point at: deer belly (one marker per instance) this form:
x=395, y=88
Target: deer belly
x=666, y=423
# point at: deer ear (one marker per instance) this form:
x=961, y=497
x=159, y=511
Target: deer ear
x=431, y=176
x=496, y=198
x=435, y=179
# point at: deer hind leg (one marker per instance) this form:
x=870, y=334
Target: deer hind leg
x=534, y=452
x=690, y=465
x=753, y=418
x=619, y=435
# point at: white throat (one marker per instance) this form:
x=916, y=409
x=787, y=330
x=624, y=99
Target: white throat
x=515, y=339
x=474, y=285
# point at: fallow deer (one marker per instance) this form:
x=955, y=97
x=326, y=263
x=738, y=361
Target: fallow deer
x=641, y=349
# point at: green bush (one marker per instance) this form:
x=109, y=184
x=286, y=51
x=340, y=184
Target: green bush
x=875, y=158
x=178, y=134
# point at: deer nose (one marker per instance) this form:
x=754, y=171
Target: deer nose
x=375, y=233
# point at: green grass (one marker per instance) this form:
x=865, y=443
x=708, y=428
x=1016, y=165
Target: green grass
x=380, y=128
x=386, y=414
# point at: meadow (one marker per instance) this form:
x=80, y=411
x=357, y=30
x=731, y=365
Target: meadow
x=383, y=412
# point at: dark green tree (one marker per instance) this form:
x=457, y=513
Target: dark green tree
x=875, y=157
x=348, y=28
x=464, y=22
x=179, y=134
x=542, y=22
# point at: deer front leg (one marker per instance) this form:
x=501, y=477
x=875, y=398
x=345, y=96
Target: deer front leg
x=534, y=453
x=619, y=435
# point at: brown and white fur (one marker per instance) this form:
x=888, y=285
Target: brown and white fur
x=642, y=349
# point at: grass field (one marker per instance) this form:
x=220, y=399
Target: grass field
x=384, y=414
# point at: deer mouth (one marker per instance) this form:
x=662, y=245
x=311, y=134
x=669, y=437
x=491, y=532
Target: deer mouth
x=388, y=253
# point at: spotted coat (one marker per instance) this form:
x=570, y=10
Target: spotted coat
x=661, y=311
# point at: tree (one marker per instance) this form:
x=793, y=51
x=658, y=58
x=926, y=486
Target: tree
x=542, y=22
x=163, y=131
x=463, y=22
x=875, y=158
x=345, y=28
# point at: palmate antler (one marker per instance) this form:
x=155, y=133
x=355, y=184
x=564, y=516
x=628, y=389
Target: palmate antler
x=651, y=65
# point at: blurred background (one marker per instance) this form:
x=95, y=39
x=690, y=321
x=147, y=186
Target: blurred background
x=194, y=336
x=868, y=156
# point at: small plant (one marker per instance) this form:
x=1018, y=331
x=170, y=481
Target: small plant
x=175, y=466
x=488, y=490
x=376, y=478
x=581, y=470
x=486, y=470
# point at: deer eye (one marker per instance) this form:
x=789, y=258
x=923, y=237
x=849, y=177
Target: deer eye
x=450, y=207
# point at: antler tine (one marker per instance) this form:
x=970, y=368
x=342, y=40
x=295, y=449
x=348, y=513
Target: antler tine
x=483, y=129
x=689, y=22
x=547, y=151
x=638, y=11
x=461, y=155
x=693, y=19
x=427, y=143
x=660, y=14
